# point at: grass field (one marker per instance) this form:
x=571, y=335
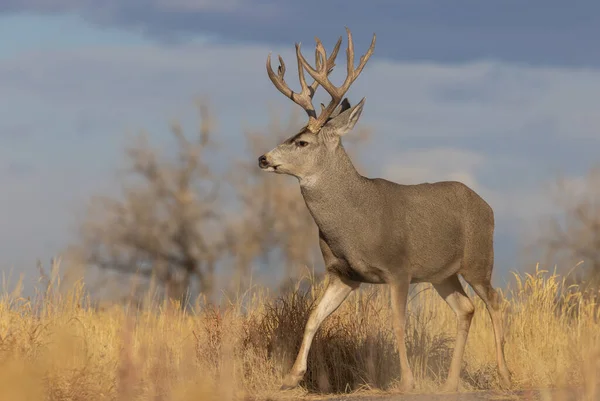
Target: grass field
x=58, y=346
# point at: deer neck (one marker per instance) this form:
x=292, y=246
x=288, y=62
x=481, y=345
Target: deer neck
x=333, y=191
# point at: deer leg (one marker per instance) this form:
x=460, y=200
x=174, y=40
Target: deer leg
x=337, y=291
x=453, y=293
x=491, y=298
x=399, y=290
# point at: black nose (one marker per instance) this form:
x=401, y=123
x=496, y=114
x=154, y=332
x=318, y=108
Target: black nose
x=262, y=161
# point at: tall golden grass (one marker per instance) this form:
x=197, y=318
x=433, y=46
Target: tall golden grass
x=60, y=346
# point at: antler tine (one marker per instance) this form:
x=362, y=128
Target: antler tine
x=330, y=62
x=304, y=97
x=278, y=81
x=349, y=56
x=352, y=72
x=365, y=58
x=281, y=68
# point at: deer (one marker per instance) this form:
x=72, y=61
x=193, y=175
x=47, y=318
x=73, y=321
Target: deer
x=372, y=230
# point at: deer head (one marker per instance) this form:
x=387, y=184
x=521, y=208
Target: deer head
x=315, y=147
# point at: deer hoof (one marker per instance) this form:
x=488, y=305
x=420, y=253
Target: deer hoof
x=291, y=381
x=407, y=385
x=505, y=382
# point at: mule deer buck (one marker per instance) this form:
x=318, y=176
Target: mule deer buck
x=376, y=231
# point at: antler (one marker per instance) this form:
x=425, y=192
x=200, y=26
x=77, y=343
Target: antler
x=321, y=77
x=304, y=98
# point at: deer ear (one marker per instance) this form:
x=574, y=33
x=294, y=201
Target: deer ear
x=344, y=122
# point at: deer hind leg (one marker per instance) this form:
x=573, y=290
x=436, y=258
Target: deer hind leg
x=491, y=298
x=453, y=293
x=337, y=291
x=399, y=295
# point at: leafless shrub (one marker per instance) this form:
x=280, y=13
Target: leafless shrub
x=160, y=226
x=571, y=237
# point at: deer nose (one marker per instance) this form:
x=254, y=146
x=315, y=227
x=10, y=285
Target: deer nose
x=262, y=161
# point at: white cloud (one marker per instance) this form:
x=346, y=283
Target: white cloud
x=436, y=164
x=481, y=99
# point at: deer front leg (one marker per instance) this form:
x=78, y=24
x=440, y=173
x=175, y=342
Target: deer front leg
x=337, y=291
x=399, y=290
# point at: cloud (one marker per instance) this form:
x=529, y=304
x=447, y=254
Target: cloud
x=436, y=164
x=500, y=127
x=540, y=32
x=483, y=100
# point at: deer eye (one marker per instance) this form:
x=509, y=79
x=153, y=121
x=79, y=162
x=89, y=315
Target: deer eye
x=301, y=144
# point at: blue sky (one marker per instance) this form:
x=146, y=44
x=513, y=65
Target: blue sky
x=501, y=95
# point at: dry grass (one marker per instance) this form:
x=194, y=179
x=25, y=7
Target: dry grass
x=60, y=347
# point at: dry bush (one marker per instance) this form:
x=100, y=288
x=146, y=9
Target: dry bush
x=573, y=237
x=164, y=223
